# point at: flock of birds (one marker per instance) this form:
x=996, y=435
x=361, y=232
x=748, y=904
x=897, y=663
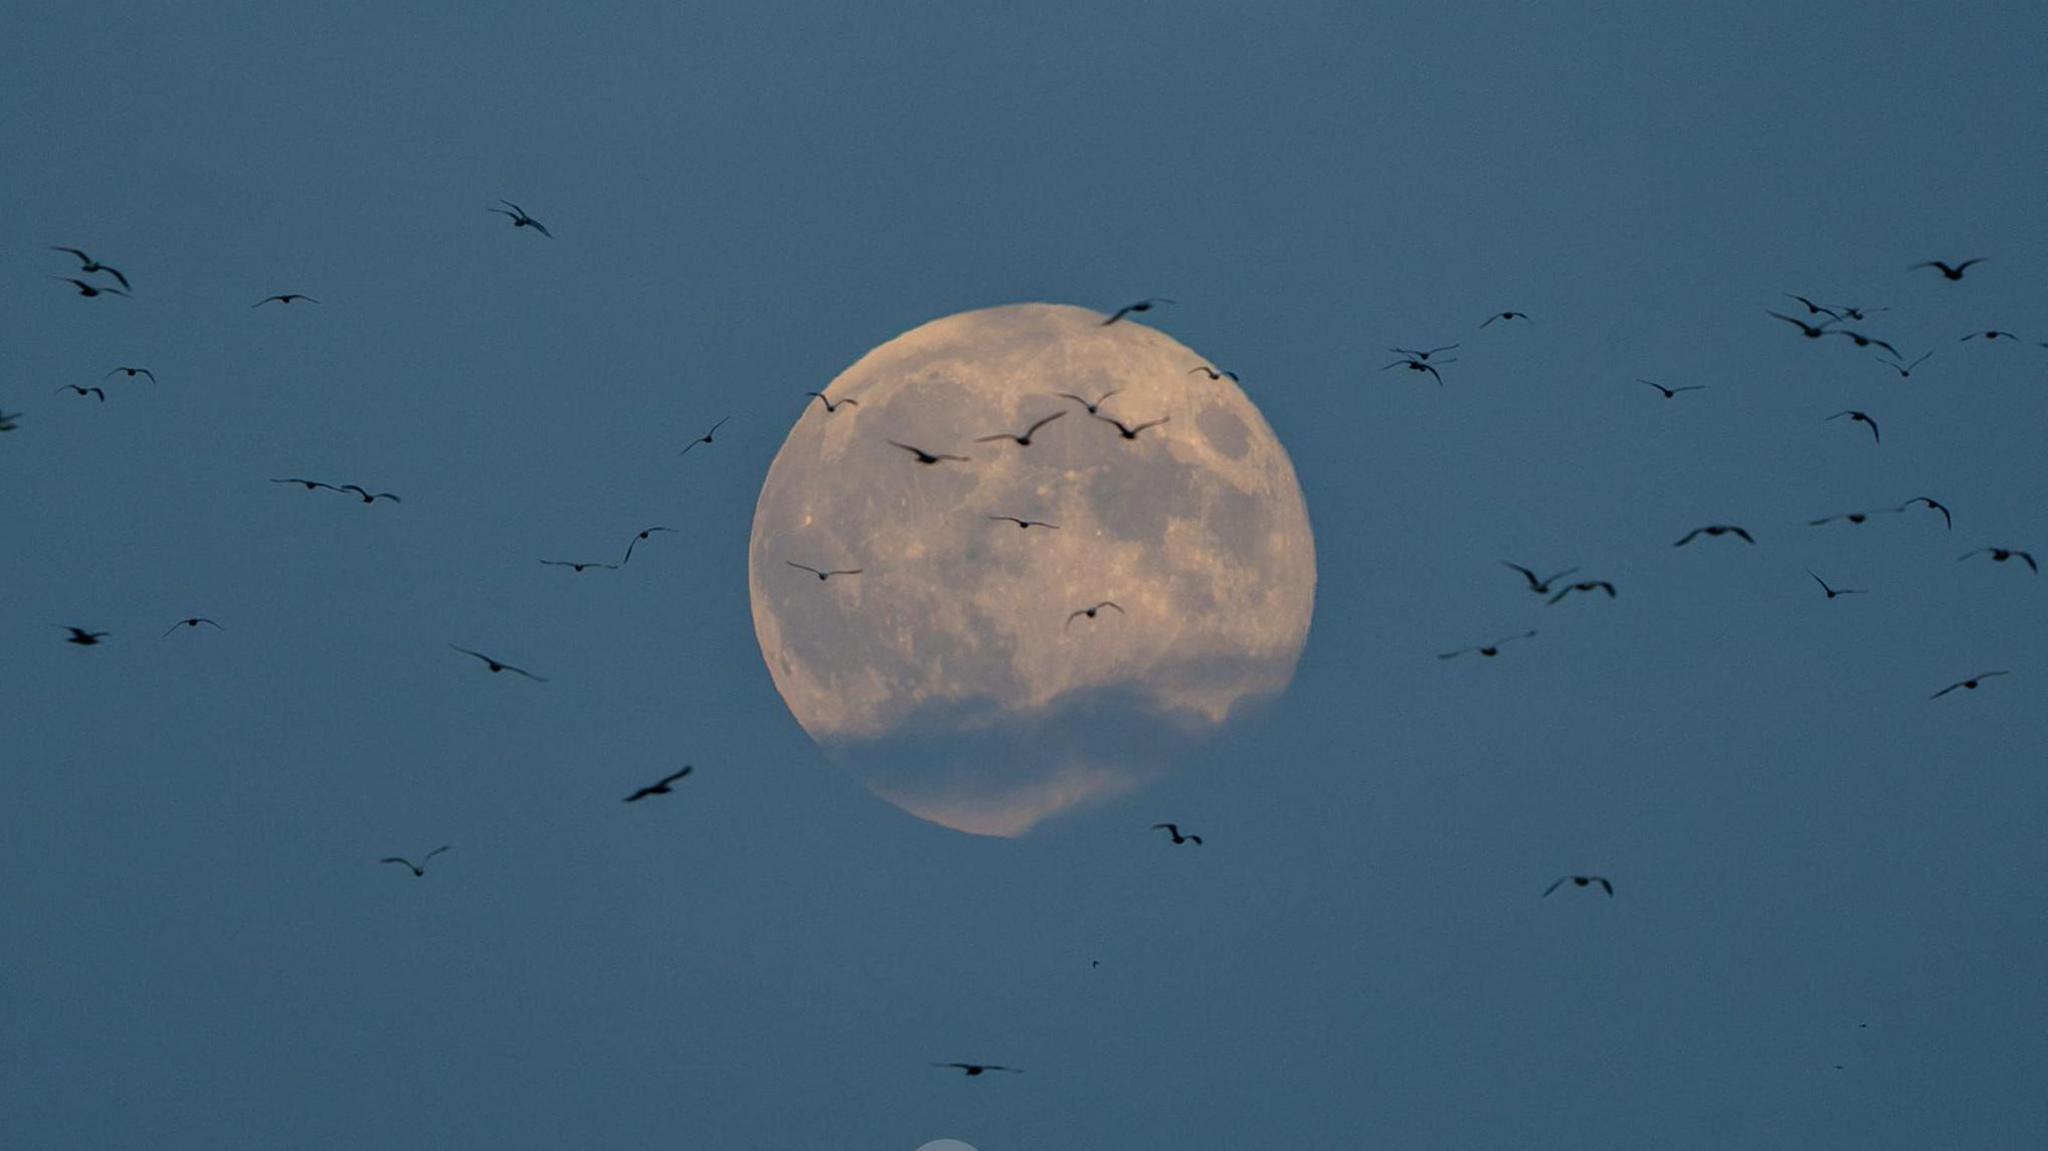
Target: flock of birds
x=1815, y=321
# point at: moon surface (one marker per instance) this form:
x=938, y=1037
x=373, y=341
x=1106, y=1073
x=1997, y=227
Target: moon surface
x=950, y=673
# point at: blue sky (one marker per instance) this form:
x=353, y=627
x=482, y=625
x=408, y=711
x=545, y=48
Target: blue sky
x=205, y=953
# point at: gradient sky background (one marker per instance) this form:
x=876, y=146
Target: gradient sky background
x=201, y=950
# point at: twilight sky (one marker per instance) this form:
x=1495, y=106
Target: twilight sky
x=202, y=950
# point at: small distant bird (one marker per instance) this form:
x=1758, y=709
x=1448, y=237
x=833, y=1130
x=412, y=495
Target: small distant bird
x=1215, y=373
x=1969, y=684
x=1094, y=407
x=924, y=457
x=419, y=869
x=642, y=534
x=1670, y=393
x=1130, y=431
x=1580, y=881
x=1584, y=585
x=370, y=497
x=1805, y=329
x=1026, y=523
x=496, y=665
x=1933, y=505
x=1852, y=312
x=191, y=621
x=94, y=391
x=1488, y=650
x=1715, y=530
x=705, y=438
x=1022, y=439
x=1539, y=586
x=1904, y=369
x=1852, y=517
x=1835, y=591
x=1421, y=354
x=1949, y=272
x=82, y=637
x=1856, y=417
x=973, y=1069
x=1416, y=365
x=131, y=373
x=1863, y=341
x=831, y=406
x=660, y=786
x=1144, y=305
x=1988, y=334
x=2000, y=555
x=576, y=566
x=1505, y=316
x=309, y=485
x=1173, y=829
x=88, y=265
x=285, y=298
x=822, y=573
x=519, y=218
x=1090, y=612
x=7, y=419
x=1813, y=309
x=89, y=290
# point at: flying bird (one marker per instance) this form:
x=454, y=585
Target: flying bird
x=191, y=621
x=639, y=536
x=1856, y=417
x=831, y=406
x=1130, y=431
x=82, y=637
x=705, y=438
x=419, y=869
x=1904, y=369
x=1969, y=684
x=1215, y=373
x=369, y=497
x=309, y=485
x=1090, y=612
x=1021, y=523
x=924, y=457
x=1863, y=341
x=95, y=391
x=1488, y=650
x=1933, y=505
x=520, y=219
x=1173, y=829
x=973, y=1069
x=1852, y=517
x=1988, y=334
x=1670, y=393
x=1416, y=365
x=1422, y=354
x=1805, y=329
x=1813, y=309
x=131, y=373
x=1715, y=530
x=1949, y=272
x=1539, y=586
x=576, y=566
x=285, y=298
x=1584, y=585
x=1835, y=591
x=660, y=786
x=497, y=666
x=2000, y=555
x=88, y=265
x=89, y=290
x=823, y=573
x=1092, y=408
x=1580, y=881
x=1505, y=316
x=1024, y=439
x=1144, y=305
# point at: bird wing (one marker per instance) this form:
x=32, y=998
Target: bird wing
x=82, y=257
x=639, y=795
x=398, y=859
x=1746, y=537
x=1689, y=536
x=1567, y=590
x=1173, y=828
x=1946, y=690
x=2029, y=557
x=524, y=672
x=477, y=654
x=435, y=852
x=1112, y=420
x=1028, y=432
x=1534, y=584
x=1604, y=884
x=1452, y=654
x=537, y=226
x=1110, y=603
x=998, y=436
x=1559, y=882
x=844, y=571
x=1964, y=266
x=687, y=769
x=803, y=567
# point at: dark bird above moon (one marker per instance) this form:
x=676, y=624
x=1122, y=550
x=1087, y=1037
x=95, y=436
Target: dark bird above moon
x=2000, y=555
x=82, y=637
x=1835, y=591
x=1144, y=305
x=659, y=786
x=1024, y=523
x=1215, y=373
x=1489, y=650
x=1580, y=881
x=1585, y=585
x=498, y=665
x=90, y=290
x=1505, y=316
x=1539, y=586
x=1090, y=612
x=831, y=405
x=823, y=573
x=1969, y=684
x=131, y=373
x=973, y=1069
x=88, y=265
x=101, y=393
x=1672, y=393
x=1094, y=407
x=1715, y=530
x=1949, y=271
x=419, y=869
x=1932, y=505
x=285, y=298
x=519, y=218
x=192, y=622
x=1129, y=431
x=1173, y=829
x=1022, y=439
x=705, y=438
x=924, y=457
x=1856, y=417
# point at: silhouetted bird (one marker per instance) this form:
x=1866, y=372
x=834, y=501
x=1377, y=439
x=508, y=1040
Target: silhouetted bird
x=7, y=421
x=1904, y=369
x=1852, y=312
x=1415, y=365
x=1215, y=373
x=1835, y=591
x=1580, y=881
x=1092, y=408
x=1670, y=393
x=1145, y=305
x=924, y=457
x=285, y=298
x=1933, y=505
x=1805, y=329
x=830, y=405
x=1988, y=334
x=191, y=621
x=309, y=485
x=1488, y=650
x=88, y=265
x=1022, y=439
x=1539, y=586
x=642, y=534
x=1505, y=316
x=1949, y=272
x=1027, y=523
x=1173, y=829
x=579, y=566
x=823, y=573
x=1863, y=341
x=2000, y=555
x=131, y=373
x=1852, y=517
x=1715, y=530
x=1856, y=417
x=1585, y=585
x=368, y=496
x=496, y=665
x=1969, y=684
x=973, y=1069
x=89, y=290
x=1422, y=355
x=1090, y=612
x=82, y=637
x=519, y=218
x=660, y=786
x=705, y=438
x=94, y=391
x=1813, y=309
x=1130, y=431
x=418, y=869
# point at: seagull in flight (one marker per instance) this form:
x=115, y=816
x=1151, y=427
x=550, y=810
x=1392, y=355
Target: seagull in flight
x=822, y=573
x=131, y=373
x=973, y=1069
x=1091, y=611
x=1024, y=524
x=1024, y=439
x=1580, y=881
x=1813, y=309
x=520, y=219
x=369, y=497
x=1856, y=417
x=82, y=637
x=1863, y=341
x=924, y=457
x=1414, y=364
x=419, y=870
x=1949, y=271
x=1904, y=369
x=1215, y=373
x=830, y=405
x=1671, y=393
x=1805, y=329
x=1421, y=354
x=1094, y=407
x=576, y=566
x=1715, y=530
x=1932, y=505
x=1989, y=334
x=659, y=786
x=94, y=391
x=88, y=265
x=1539, y=586
x=285, y=298
x=705, y=438
x=1835, y=591
x=638, y=537
x=1852, y=517
x=1173, y=829
x=1144, y=305
x=191, y=621
x=1488, y=650
x=2000, y=555
x=309, y=485
x=1969, y=684
x=497, y=666
x=1129, y=431
x=1584, y=585
x=1506, y=316
x=89, y=290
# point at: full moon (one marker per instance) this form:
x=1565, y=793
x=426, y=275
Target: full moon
x=950, y=660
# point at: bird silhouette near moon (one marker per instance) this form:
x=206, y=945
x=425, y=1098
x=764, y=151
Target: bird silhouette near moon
x=944, y=677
